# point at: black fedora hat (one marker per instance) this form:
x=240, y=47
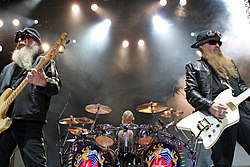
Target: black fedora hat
x=206, y=36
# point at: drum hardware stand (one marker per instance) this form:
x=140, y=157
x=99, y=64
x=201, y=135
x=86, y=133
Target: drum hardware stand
x=193, y=151
x=61, y=146
x=59, y=132
x=97, y=114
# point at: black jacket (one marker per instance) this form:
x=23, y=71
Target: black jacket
x=33, y=101
x=199, y=80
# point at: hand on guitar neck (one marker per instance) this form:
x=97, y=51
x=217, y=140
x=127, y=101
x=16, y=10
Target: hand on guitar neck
x=218, y=110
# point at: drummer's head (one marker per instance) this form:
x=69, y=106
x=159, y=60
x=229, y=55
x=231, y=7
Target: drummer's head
x=128, y=117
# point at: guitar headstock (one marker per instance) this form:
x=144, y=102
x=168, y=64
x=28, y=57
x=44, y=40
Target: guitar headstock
x=55, y=49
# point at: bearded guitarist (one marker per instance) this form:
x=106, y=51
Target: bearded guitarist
x=29, y=109
x=206, y=78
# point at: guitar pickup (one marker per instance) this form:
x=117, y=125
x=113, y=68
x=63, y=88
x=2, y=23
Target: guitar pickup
x=203, y=125
x=231, y=106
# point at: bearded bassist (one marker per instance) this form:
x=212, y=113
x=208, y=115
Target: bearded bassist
x=26, y=115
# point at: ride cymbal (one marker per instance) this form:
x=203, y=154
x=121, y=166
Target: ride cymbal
x=78, y=130
x=97, y=109
x=171, y=113
x=151, y=107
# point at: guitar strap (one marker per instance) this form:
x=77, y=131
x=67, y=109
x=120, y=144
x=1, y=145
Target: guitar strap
x=226, y=82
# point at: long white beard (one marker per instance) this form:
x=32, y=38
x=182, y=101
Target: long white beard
x=23, y=57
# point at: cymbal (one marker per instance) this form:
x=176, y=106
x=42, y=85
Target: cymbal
x=84, y=120
x=151, y=107
x=72, y=120
x=171, y=113
x=77, y=130
x=98, y=109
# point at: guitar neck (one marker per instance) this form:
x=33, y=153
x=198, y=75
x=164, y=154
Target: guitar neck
x=243, y=96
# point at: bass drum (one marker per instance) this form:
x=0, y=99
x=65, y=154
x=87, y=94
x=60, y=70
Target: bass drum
x=88, y=155
x=162, y=154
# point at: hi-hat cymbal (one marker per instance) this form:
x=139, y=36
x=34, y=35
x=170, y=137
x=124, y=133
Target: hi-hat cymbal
x=70, y=120
x=78, y=130
x=171, y=113
x=151, y=107
x=73, y=120
x=98, y=109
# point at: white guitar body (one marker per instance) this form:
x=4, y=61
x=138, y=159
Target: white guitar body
x=207, y=127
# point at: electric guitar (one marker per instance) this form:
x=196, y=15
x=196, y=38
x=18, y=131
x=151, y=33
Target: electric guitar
x=209, y=128
x=9, y=95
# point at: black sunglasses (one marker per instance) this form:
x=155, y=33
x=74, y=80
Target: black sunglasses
x=214, y=42
x=21, y=35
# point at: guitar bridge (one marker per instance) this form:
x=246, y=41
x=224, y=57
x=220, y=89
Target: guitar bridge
x=203, y=125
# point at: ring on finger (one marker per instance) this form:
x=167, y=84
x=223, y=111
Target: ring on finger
x=222, y=112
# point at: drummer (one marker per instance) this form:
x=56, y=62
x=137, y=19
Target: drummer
x=126, y=137
x=127, y=119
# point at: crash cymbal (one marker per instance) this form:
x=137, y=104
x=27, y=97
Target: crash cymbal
x=151, y=107
x=70, y=120
x=171, y=113
x=97, y=109
x=84, y=120
x=78, y=130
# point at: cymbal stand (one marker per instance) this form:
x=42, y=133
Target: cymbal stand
x=97, y=114
x=152, y=111
x=193, y=151
x=61, y=149
x=59, y=132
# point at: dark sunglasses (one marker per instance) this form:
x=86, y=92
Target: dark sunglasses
x=214, y=42
x=21, y=35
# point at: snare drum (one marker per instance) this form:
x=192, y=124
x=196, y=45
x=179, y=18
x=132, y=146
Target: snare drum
x=105, y=135
x=162, y=154
x=145, y=134
x=88, y=155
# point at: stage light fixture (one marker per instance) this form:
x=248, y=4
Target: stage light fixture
x=15, y=22
x=183, y=2
x=1, y=23
x=125, y=43
x=163, y=2
x=141, y=43
x=75, y=8
x=94, y=7
x=36, y=21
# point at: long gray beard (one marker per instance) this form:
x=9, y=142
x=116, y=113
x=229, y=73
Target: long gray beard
x=23, y=57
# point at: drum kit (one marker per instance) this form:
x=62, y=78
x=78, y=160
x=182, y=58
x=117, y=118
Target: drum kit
x=129, y=144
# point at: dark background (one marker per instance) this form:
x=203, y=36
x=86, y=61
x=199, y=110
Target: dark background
x=94, y=74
